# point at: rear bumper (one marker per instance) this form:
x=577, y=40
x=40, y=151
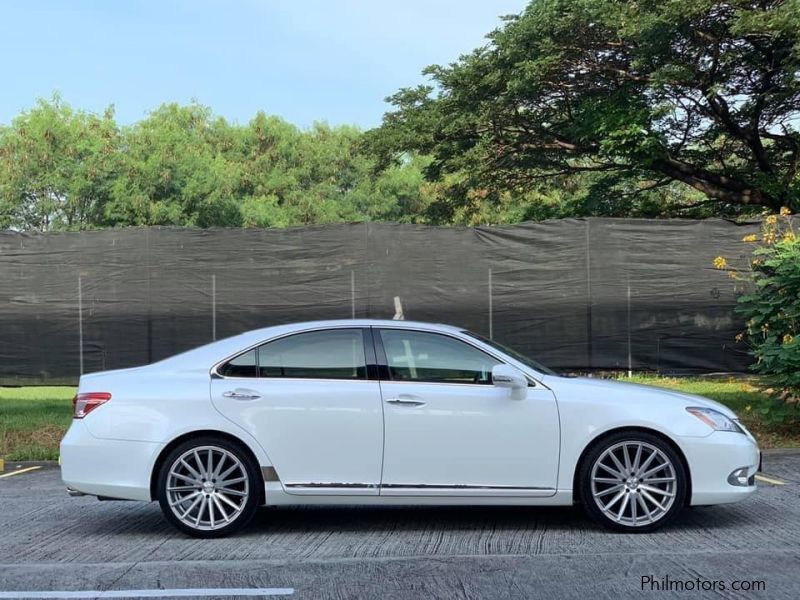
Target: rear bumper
x=712, y=459
x=111, y=468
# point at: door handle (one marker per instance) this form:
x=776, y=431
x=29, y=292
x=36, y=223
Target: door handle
x=404, y=400
x=241, y=395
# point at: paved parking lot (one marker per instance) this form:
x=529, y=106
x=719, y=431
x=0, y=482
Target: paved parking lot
x=49, y=541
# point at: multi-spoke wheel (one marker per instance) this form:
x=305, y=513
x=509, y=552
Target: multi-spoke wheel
x=632, y=482
x=208, y=487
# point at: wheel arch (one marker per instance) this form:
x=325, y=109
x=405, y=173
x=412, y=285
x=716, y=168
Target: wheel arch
x=199, y=433
x=598, y=439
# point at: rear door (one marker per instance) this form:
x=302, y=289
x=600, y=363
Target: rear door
x=307, y=399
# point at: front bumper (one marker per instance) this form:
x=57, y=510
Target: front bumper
x=711, y=461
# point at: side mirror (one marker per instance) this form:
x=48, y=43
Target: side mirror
x=507, y=376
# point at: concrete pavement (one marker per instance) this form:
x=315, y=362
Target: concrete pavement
x=49, y=541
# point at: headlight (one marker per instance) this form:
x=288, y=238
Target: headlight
x=714, y=419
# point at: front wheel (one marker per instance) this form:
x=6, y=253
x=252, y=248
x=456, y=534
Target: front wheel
x=208, y=487
x=632, y=482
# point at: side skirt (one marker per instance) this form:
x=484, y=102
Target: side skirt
x=277, y=496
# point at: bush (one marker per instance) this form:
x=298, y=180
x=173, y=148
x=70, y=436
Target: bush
x=771, y=304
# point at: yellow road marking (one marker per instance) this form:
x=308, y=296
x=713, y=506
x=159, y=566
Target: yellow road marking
x=19, y=472
x=770, y=480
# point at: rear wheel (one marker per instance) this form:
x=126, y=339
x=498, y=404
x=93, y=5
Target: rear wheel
x=208, y=487
x=632, y=482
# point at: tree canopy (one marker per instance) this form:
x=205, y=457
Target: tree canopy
x=644, y=108
x=67, y=169
x=627, y=96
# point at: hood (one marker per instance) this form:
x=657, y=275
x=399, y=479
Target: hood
x=623, y=390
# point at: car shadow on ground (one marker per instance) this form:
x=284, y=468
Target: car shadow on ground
x=452, y=520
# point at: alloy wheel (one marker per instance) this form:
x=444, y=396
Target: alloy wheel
x=207, y=488
x=634, y=483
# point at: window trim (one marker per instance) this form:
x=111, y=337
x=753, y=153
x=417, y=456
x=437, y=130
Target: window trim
x=385, y=371
x=367, y=341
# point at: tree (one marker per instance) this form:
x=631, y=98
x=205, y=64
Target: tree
x=630, y=95
x=56, y=167
x=181, y=165
x=174, y=171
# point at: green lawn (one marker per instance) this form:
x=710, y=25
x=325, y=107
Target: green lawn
x=34, y=419
x=740, y=394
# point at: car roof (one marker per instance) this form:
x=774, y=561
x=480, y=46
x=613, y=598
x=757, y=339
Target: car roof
x=216, y=351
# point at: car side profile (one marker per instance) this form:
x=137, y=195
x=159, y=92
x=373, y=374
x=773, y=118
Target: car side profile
x=370, y=412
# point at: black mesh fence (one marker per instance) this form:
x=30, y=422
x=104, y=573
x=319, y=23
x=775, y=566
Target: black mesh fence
x=577, y=294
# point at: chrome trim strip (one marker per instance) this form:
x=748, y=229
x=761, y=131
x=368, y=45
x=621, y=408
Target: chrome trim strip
x=533, y=382
x=426, y=486
x=467, y=339
x=215, y=375
x=330, y=485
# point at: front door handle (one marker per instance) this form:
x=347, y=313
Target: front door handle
x=239, y=394
x=405, y=400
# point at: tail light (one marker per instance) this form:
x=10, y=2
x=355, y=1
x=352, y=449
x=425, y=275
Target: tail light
x=85, y=403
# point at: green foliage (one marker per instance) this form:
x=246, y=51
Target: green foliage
x=628, y=96
x=771, y=420
x=56, y=167
x=772, y=307
x=33, y=420
x=62, y=169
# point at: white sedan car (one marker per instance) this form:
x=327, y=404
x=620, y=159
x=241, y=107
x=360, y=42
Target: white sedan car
x=393, y=412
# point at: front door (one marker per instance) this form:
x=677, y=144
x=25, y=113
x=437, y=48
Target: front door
x=450, y=432
x=307, y=400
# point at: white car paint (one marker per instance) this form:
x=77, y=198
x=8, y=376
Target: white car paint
x=335, y=441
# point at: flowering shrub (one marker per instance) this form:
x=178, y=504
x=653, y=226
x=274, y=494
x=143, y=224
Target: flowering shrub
x=771, y=304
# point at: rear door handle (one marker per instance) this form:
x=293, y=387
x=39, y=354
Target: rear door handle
x=405, y=400
x=240, y=394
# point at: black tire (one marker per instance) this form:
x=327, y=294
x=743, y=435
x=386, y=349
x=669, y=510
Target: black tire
x=619, y=444
x=248, y=490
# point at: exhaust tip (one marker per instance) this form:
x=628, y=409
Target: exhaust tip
x=73, y=492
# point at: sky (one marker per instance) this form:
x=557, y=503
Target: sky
x=304, y=60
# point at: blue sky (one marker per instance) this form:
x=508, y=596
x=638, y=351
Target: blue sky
x=304, y=60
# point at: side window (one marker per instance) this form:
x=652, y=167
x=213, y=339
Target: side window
x=420, y=356
x=329, y=354
x=243, y=365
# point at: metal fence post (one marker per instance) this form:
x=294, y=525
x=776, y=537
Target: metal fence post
x=630, y=359
x=80, y=320
x=214, y=307
x=491, y=315
x=353, y=294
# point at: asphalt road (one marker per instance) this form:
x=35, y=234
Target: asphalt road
x=49, y=541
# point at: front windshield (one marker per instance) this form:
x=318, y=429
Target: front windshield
x=525, y=360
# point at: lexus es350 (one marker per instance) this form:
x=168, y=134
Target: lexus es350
x=365, y=412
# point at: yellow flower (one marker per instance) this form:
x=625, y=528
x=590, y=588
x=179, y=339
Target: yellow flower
x=770, y=238
x=765, y=328
x=789, y=236
x=720, y=262
x=771, y=220
x=785, y=211
x=748, y=408
x=739, y=337
x=750, y=238
x=788, y=339
x=732, y=274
